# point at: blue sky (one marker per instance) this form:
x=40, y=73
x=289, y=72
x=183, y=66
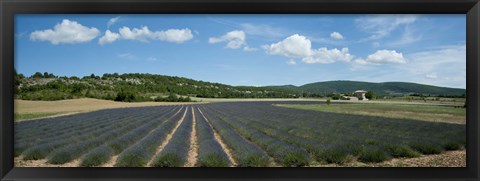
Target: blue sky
x=255, y=50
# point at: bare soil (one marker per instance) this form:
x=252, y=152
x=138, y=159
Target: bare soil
x=19, y=162
x=111, y=162
x=193, y=152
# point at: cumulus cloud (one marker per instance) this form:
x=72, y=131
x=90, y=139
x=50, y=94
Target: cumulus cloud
x=295, y=46
x=386, y=56
x=336, y=36
x=298, y=46
x=383, y=57
x=234, y=39
x=144, y=35
x=113, y=21
x=324, y=56
x=109, y=37
x=66, y=32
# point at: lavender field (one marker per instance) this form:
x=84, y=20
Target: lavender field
x=228, y=134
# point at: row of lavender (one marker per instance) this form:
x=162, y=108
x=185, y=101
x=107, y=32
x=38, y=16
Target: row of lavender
x=133, y=135
x=255, y=133
x=298, y=137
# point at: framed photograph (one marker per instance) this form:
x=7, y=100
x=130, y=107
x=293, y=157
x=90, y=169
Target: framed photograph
x=230, y=90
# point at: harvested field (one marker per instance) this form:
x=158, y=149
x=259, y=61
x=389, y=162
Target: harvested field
x=27, y=110
x=240, y=134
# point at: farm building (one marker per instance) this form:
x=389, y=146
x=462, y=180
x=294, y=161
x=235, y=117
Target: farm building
x=360, y=94
x=351, y=98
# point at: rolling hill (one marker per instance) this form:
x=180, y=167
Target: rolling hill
x=382, y=89
x=145, y=87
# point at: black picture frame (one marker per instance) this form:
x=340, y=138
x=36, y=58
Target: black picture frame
x=8, y=9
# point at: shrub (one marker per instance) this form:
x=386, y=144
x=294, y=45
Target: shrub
x=253, y=160
x=335, y=155
x=450, y=145
x=131, y=159
x=295, y=159
x=426, y=148
x=60, y=158
x=401, y=151
x=213, y=160
x=169, y=160
x=373, y=154
x=98, y=156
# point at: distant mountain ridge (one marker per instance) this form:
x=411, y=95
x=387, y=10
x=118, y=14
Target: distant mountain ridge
x=383, y=89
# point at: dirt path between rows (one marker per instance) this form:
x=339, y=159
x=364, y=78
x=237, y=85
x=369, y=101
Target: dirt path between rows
x=193, y=152
x=19, y=162
x=113, y=160
x=167, y=139
x=220, y=141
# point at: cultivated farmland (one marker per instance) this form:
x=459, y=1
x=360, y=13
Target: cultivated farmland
x=241, y=134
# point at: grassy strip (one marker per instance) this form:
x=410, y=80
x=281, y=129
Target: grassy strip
x=402, y=111
x=25, y=116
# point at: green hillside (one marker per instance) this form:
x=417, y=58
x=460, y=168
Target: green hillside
x=382, y=89
x=150, y=87
x=133, y=87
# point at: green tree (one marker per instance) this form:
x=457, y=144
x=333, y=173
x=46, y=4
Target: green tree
x=370, y=95
x=37, y=75
x=328, y=101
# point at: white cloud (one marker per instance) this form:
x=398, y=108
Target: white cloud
x=235, y=39
x=174, y=35
x=144, y=35
x=67, y=32
x=336, y=36
x=127, y=56
x=432, y=75
x=382, y=25
x=109, y=37
x=421, y=68
x=113, y=21
x=261, y=30
x=383, y=57
x=361, y=61
x=249, y=49
x=291, y=62
x=408, y=37
x=298, y=46
x=295, y=46
x=324, y=56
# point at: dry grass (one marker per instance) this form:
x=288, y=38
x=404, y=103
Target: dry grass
x=38, y=109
